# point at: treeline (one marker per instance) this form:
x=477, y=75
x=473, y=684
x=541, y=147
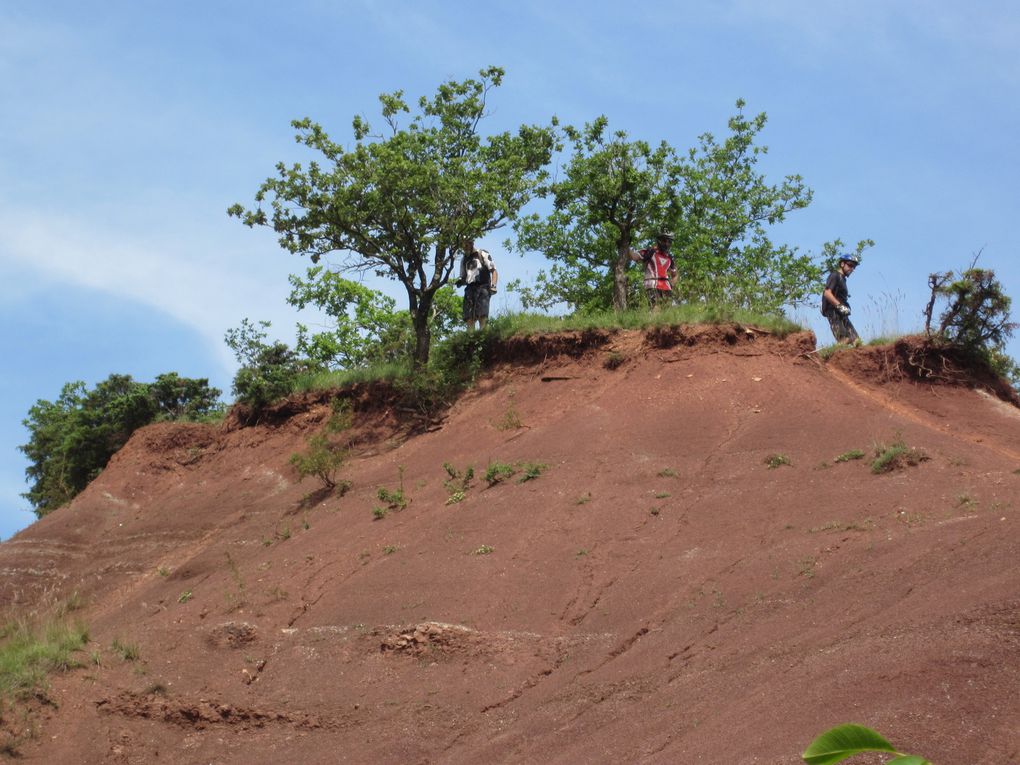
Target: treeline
x=72, y=438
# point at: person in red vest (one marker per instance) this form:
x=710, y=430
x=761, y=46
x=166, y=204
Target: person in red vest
x=660, y=271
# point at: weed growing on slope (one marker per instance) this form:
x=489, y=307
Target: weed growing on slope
x=897, y=455
x=397, y=499
x=511, y=418
x=484, y=550
x=853, y=454
x=458, y=482
x=497, y=472
x=777, y=460
x=530, y=470
x=126, y=651
x=323, y=460
x=668, y=473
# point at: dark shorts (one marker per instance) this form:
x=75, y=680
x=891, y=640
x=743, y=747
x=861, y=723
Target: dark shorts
x=476, y=302
x=657, y=297
x=842, y=329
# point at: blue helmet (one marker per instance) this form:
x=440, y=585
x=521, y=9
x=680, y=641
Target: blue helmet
x=847, y=257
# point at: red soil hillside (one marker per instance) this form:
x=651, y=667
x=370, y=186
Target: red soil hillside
x=657, y=594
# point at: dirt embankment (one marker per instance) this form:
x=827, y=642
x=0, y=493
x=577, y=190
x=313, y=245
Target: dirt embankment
x=634, y=583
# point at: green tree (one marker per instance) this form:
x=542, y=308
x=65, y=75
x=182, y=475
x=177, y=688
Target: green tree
x=365, y=325
x=72, y=439
x=976, y=316
x=614, y=191
x=723, y=250
x=268, y=370
x=399, y=204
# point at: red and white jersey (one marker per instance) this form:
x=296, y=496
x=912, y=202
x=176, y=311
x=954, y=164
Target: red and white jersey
x=657, y=266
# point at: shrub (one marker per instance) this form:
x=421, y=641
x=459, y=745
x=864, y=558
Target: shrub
x=777, y=460
x=322, y=460
x=497, y=472
x=896, y=455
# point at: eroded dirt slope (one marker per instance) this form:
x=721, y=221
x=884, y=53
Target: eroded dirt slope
x=656, y=594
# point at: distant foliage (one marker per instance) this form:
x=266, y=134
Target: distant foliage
x=71, y=439
x=268, y=370
x=616, y=194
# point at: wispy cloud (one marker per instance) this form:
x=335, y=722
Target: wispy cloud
x=194, y=276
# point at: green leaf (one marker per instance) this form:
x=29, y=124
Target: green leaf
x=908, y=759
x=843, y=741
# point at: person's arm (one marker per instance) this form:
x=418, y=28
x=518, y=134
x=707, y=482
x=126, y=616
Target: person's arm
x=636, y=255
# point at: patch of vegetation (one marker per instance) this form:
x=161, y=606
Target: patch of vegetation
x=378, y=513
x=497, y=472
x=662, y=494
x=965, y=501
x=614, y=360
x=668, y=473
x=897, y=455
x=484, y=550
x=457, y=482
x=184, y=597
x=126, y=651
x=389, y=549
x=853, y=454
x=29, y=652
x=530, y=470
x=864, y=525
x=583, y=499
x=777, y=460
x=511, y=418
x=395, y=500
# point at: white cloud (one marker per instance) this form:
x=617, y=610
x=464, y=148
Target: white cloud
x=189, y=274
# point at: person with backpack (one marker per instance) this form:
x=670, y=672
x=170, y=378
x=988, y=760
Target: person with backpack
x=660, y=270
x=478, y=277
x=835, y=305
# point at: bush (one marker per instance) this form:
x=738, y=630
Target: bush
x=323, y=460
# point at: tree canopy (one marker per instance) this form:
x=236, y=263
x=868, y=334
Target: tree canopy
x=71, y=439
x=399, y=204
x=717, y=202
x=614, y=191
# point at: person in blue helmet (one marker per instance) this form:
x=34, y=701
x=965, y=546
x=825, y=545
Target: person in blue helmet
x=835, y=304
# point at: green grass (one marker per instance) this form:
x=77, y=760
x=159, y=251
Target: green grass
x=509, y=325
x=29, y=653
x=498, y=471
x=889, y=457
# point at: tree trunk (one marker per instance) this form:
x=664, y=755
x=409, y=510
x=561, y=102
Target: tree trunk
x=620, y=277
x=421, y=320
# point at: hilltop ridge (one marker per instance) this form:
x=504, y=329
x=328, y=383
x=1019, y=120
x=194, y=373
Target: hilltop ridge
x=656, y=592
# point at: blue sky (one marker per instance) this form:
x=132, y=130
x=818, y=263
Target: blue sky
x=128, y=128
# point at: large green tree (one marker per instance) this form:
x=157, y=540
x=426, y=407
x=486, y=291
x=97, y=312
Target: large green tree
x=71, y=439
x=723, y=247
x=399, y=204
x=613, y=192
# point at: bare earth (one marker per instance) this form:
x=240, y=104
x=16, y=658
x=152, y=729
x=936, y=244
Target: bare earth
x=657, y=594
